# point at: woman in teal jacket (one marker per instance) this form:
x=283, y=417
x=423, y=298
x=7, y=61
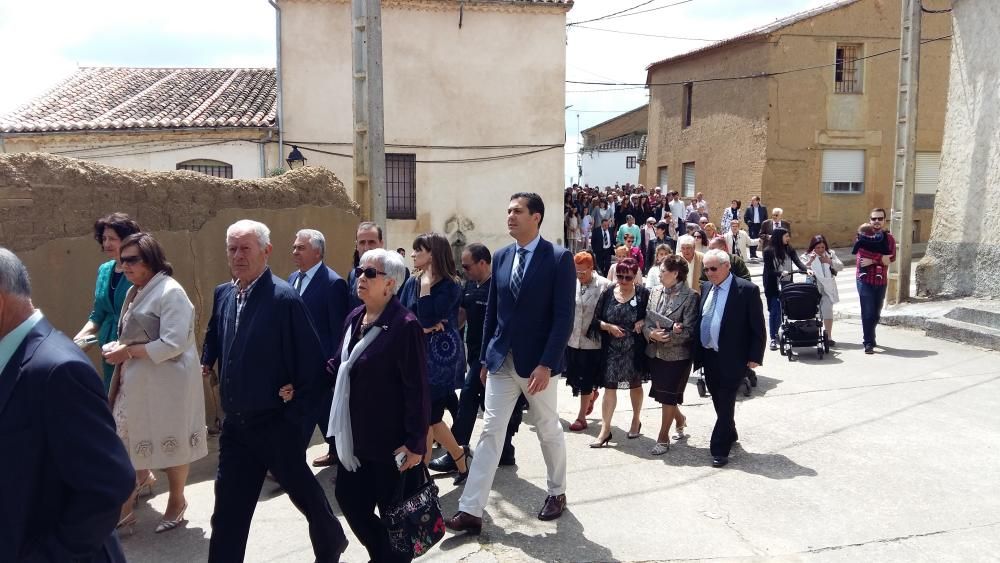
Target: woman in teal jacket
x=111, y=287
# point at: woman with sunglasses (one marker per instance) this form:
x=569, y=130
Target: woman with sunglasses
x=380, y=402
x=700, y=240
x=434, y=294
x=157, y=395
x=618, y=321
x=633, y=251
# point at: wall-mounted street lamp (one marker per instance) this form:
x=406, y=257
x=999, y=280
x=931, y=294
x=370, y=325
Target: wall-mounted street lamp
x=295, y=158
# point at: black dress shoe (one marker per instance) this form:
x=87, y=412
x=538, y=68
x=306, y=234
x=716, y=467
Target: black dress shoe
x=553, y=507
x=465, y=522
x=325, y=460
x=443, y=463
x=719, y=461
x=869, y=349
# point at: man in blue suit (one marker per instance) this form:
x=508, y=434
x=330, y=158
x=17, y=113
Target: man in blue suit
x=730, y=341
x=529, y=317
x=325, y=296
x=66, y=472
x=266, y=346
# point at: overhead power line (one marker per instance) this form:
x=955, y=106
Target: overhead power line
x=628, y=12
x=645, y=34
x=447, y=160
x=630, y=85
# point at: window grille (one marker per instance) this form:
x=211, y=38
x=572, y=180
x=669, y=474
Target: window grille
x=211, y=167
x=847, y=70
x=401, y=186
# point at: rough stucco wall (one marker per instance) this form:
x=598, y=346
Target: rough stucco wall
x=807, y=115
x=497, y=80
x=963, y=254
x=48, y=205
x=727, y=136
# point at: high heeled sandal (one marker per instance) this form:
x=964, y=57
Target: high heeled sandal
x=128, y=522
x=462, y=476
x=636, y=434
x=167, y=525
x=603, y=443
x=147, y=484
x=680, y=433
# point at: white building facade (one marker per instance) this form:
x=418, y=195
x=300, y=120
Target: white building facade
x=615, y=161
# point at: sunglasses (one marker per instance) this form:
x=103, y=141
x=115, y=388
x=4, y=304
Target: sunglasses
x=713, y=268
x=582, y=272
x=466, y=267
x=624, y=277
x=369, y=273
x=131, y=260
x=877, y=218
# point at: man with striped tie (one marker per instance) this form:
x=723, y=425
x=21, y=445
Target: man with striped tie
x=529, y=318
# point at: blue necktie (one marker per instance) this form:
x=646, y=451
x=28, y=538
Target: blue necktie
x=706, y=318
x=515, y=280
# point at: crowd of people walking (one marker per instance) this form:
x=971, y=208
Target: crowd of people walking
x=648, y=290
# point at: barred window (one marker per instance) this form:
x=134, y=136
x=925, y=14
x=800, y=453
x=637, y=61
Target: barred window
x=215, y=168
x=400, y=186
x=629, y=162
x=847, y=70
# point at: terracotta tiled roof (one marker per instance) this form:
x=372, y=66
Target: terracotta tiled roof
x=760, y=31
x=625, y=142
x=151, y=98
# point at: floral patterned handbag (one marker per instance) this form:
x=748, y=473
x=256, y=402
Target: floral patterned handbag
x=414, y=520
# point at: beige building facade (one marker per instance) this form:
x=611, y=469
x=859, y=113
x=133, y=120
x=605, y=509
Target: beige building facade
x=473, y=93
x=804, y=117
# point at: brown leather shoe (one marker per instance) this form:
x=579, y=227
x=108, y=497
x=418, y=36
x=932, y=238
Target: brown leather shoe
x=465, y=522
x=325, y=461
x=553, y=508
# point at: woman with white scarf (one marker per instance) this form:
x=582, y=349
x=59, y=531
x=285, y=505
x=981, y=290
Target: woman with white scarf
x=381, y=401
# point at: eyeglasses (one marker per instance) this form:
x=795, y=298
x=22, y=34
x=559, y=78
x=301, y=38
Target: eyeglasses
x=877, y=218
x=624, y=277
x=369, y=273
x=131, y=260
x=713, y=268
x=582, y=272
x=466, y=267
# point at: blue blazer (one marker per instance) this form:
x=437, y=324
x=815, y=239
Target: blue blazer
x=66, y=472
x=326, y=302
x=537, y=326
x=275, y=344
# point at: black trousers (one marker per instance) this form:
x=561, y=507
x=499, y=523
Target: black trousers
x=754, y=233
x=318, y=414
x=358, y=493
x=603, y=261
x=469, y=403
x=248, y=447
x=723, y=387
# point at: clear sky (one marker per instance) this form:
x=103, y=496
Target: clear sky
x=46, y=40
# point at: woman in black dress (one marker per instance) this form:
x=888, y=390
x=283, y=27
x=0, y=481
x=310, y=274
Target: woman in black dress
x=780, y=260
x=618, y=319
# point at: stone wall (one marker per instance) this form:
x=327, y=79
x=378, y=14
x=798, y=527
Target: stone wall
x=48, y=205
x=962, y=255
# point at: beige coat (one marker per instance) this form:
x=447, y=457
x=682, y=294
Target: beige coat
x=164, y=401
x=685, y=310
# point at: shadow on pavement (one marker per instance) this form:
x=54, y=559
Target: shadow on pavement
x=567, y=543
x=904, y=353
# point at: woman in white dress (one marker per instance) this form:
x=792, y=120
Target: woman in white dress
x=823, y=262
x=156, y=393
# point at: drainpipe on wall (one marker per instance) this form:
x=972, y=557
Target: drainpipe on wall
x=281, y=113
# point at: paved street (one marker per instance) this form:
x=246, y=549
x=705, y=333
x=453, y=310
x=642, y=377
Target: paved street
x=885, y=457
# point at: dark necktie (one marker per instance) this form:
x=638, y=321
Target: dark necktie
x=607, y=243
x=298, y=282
x=515, y=280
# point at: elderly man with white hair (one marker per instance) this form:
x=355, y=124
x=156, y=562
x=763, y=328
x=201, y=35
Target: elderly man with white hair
x=731, y=341
x=271, y=364
x=686, y=249
x=775, y=222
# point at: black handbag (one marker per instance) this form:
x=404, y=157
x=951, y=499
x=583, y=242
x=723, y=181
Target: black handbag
x=414, y=520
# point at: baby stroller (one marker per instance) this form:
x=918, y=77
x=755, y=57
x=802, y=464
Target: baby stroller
x=801, y=323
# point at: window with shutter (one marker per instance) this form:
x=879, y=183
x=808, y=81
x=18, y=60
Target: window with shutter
x=927, y=171
x=843, y=171
x=687, y=170
x=661, y=177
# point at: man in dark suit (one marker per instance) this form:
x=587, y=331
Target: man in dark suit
x=267, y=350
x=602, y=242
x=66, y=472
x=754, y=217
x=775, y=222
x=369, y=236
x=731, y=341
x=325, y=295
x=529, y=317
